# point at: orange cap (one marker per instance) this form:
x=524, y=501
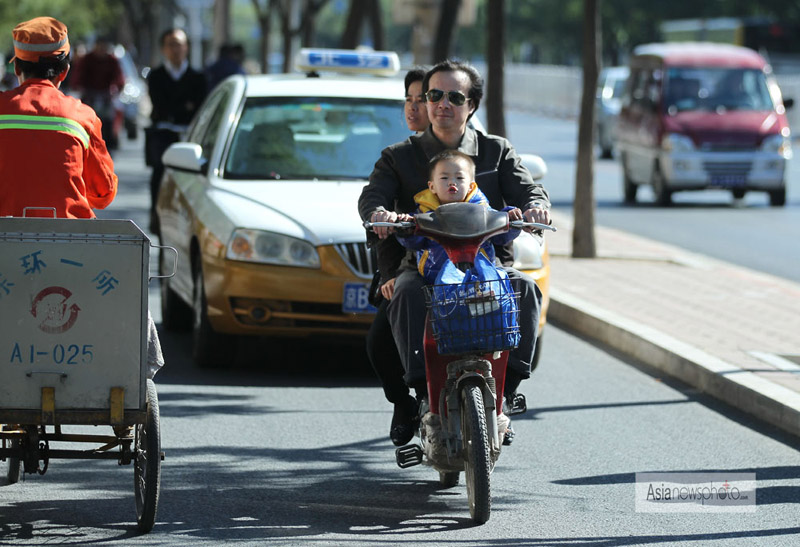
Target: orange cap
x=40, y=37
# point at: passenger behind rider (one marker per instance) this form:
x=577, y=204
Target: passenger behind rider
x=381, y=348
x=451, y=180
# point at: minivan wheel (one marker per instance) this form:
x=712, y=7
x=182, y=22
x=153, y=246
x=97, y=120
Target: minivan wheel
x=629, y=187
x=663, y=193
x=777, y=198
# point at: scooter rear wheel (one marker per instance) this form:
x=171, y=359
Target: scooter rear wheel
x=477, y=462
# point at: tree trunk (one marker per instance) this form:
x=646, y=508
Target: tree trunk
x=352, y=30
x=495, y=88
x=448, y=15
x=286, y=37
x=583, y=241
x=222, y=25
x=264, y=16
x=376, y=24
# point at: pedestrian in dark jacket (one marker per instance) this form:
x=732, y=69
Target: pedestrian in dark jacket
x=176, y=92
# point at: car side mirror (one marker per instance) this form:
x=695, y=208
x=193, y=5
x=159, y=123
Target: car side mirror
x=535, y=164
x=184, y=155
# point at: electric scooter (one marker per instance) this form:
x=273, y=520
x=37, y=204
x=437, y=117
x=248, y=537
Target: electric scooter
x=469, y=329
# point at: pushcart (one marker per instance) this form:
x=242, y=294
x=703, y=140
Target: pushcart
x=73, y=350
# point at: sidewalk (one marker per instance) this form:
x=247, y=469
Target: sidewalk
x=731, y=332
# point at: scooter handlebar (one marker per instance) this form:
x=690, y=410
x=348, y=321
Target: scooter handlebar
x=400, y=225
x=519, y=224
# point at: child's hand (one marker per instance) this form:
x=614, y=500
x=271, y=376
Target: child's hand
x=404, y=217
x=515, y=214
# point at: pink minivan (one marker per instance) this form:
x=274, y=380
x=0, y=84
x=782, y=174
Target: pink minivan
x=701, y=115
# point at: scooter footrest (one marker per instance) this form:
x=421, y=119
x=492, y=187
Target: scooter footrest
x=518, y=405
x=408, y=455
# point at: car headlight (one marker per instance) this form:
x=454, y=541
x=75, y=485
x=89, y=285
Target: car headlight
x=271, y=248
x=528, y=253
x=778, y=144
x=673, y=142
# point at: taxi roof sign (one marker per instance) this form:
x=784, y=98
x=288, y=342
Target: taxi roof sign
x=380, y=63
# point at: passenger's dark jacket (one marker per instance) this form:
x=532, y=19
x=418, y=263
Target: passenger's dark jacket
x=402, y=172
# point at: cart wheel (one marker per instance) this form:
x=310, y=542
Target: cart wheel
x=14, y=467
x=147, y=467
x=477, y=464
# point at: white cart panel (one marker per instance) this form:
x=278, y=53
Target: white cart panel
x=73, y=312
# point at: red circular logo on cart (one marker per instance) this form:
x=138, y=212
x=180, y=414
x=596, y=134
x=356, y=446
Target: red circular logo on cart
x=56, y=314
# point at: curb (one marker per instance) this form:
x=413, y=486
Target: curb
x=741, y=389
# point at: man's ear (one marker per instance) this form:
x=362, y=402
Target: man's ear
x=63, y=75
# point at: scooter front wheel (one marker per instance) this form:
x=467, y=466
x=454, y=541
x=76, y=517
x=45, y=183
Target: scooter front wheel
x=477, y=462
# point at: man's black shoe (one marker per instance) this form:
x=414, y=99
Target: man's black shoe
x=404, y=421
x=508, y=438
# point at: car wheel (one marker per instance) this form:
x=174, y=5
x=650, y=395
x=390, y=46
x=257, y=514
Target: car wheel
x=628, y=186
x=662, y=191
x=209, y=348
x=738, y=193
x=777, y=198
x=176, y=315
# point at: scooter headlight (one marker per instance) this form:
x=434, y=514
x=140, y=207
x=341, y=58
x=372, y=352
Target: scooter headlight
x=528, y=252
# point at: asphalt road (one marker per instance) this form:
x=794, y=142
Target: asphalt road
x=290, y=447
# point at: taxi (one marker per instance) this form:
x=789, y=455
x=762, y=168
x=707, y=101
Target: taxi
x=260, y=201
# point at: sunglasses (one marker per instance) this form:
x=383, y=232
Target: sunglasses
x=456, y=98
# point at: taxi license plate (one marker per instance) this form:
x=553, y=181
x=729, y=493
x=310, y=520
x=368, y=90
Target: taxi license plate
x=355, y=298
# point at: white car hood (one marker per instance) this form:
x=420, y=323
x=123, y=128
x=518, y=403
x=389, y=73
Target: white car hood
x=323, y=212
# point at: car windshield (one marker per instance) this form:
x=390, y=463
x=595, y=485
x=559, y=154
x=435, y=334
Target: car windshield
x=313, y=138
x=714, y=89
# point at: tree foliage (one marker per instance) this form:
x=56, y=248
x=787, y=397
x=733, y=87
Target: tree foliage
x=84, y=18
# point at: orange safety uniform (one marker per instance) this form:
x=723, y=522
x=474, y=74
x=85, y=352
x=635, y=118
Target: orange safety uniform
x=52, y=154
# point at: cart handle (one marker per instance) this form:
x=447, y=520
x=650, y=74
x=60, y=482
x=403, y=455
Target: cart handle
x=174, y=262
x=62, y=375
x=50, y=209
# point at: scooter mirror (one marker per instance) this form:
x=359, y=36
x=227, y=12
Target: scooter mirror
x=535, y=164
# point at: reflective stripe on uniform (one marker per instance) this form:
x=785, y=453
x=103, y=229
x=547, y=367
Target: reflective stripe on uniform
x=46, y=123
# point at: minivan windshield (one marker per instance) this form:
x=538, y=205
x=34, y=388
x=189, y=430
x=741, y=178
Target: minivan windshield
x=313, y=137
x=715, y=89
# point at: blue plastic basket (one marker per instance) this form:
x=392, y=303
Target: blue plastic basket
x=474, y=317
